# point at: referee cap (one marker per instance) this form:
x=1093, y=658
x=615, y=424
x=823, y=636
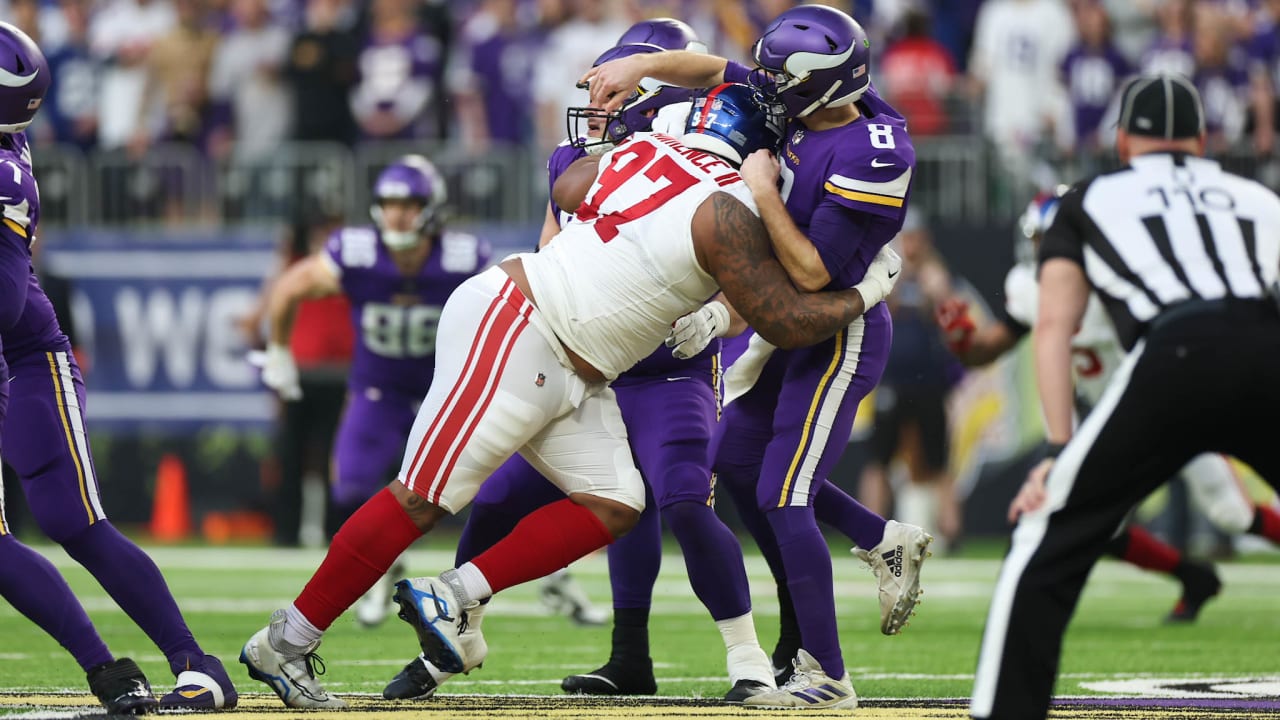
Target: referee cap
x=1162, y=106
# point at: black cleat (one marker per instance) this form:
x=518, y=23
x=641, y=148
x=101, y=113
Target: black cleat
x=1200, y=584
x=784, y=664
x=612, y=680
x=744, y=689
x=122, y=688
x=414, y=681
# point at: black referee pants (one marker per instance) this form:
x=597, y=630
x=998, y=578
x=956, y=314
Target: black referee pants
x=1204, y=379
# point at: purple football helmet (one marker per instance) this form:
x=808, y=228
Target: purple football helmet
x=666, y=33
x=636, y=113
x=412, y=177
x=24, y=79
x=811, y=57
x=728, y=121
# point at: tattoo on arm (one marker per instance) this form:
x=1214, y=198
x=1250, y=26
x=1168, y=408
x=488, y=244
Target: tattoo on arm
x=740, y=258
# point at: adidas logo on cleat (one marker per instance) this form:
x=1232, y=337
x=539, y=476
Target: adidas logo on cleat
x=893, y=559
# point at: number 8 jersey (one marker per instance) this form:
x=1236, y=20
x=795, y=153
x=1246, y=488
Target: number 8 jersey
x=631, y=235
x=394, y=314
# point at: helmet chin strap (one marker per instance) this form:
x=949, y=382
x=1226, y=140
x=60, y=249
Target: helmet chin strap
x=402, y=240
x=822, y=101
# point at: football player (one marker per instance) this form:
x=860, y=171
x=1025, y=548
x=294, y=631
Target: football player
x=49, y=450
x=396, y=275
x=838, y=196
x=1214, y=486
x=531, y=347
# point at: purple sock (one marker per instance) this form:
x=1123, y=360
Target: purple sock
x=513, y=491
x=836, y=508
x=132, y=579
x=808, y=563
x=34, y=588
x=713, y=558
x=740, y=482
x=635, y=558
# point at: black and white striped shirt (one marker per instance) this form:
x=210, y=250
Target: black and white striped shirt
x=1167, y=229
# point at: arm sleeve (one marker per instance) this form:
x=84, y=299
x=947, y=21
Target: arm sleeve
x=839, y=233
x=15, y=276
x=735, y=72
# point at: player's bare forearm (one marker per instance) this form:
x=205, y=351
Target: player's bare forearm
x=305, y=279
x=734, y=247
x=988, y=344
x=1064, y=294
x=797, y=254
x=612, y=82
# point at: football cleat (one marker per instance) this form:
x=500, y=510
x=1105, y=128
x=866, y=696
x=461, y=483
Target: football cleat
x=432, y=608
x=614, y=679
x=203, y=687
x=374, y=606
x=289, y=670
x=419, y=679
x=809, y=687
x=744, y=689
x=896, y=564
x=1200, y=584
x=122, y=688
x=562, y=594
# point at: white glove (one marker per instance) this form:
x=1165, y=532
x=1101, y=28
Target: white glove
x=279, y=371
x=883, y=273
x=691, y=334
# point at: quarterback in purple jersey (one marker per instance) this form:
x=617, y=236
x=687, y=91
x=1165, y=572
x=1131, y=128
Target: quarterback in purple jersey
x=49, y=450
x=669, y=407
x=845, y=176
x=397, y=275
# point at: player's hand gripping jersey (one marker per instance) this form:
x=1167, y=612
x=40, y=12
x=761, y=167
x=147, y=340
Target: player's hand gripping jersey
x=632, y=236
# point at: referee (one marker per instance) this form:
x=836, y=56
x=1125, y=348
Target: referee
x=1184, y=256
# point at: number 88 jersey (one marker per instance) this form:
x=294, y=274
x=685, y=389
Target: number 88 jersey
x=616, y=277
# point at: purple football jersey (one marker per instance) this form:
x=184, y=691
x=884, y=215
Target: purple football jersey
x=1264, y=52
x=502, y=66
x=864, y=167
x=1092, y=76
x=402, y=77
x=1225, y=90
x=561, y=158
x=36, y=330
x=395, y=315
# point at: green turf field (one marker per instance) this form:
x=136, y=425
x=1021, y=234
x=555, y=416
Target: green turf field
x=1117, y=646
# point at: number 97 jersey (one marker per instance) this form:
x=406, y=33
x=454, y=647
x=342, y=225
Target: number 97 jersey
x=395, y=314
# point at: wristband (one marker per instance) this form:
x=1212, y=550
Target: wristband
x=1053, y=450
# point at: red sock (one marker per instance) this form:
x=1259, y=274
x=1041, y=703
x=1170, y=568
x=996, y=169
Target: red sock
x=1266, y=522
x=362, y=551
x=1146, y=551
x=545, y=541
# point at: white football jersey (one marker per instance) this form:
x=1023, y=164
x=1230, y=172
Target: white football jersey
x=1095, y=348
x=612, y=281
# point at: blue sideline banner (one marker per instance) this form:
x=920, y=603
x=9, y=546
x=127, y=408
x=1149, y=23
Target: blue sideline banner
x=156, y=315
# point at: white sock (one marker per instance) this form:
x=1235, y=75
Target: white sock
x=474, y=584
x=746, y=660
x=475, y=616
x=298, y=630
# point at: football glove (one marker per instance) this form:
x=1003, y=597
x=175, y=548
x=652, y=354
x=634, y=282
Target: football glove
x=691, y=334
x=957, y=325
x=279, y=371
x=881, y=276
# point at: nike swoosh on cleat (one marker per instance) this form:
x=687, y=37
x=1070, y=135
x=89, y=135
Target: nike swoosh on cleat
x=894, y=274
x=189, y=694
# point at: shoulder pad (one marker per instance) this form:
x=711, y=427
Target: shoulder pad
x=354, y=247
x=463, y=253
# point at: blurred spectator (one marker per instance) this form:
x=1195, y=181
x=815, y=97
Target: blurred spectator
x=401, y=72
x=321, y=70
x=177, y=77
x=491, y=77
x=1018, y=51
x=1132, y=25
x=910, y=402
x=71, y=104
x=1221, y=78
x=1171, y=50
x=1264, y=75
x=322, y=343
x=917, y=74
x=1092, y=72
x=570, y=50
x=246, y=80
x=953, y=24
x=121, y=34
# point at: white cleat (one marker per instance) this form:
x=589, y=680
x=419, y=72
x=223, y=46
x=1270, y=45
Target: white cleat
x=809, y=688
x=374, y=607
x=896, y=563
x=562, y=594
x=289, y=670
x=437, y=616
